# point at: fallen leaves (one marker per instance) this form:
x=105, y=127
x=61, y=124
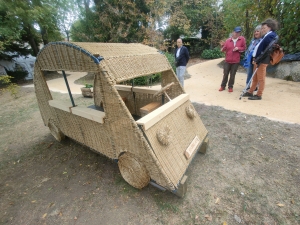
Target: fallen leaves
x=208, y=217
x=50, y=145
x=217, y=201
x=280, y=205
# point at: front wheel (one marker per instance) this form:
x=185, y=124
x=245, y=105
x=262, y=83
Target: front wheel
x=133, y=171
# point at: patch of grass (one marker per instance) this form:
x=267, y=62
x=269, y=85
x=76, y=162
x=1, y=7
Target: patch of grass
x=167, y=206
x=277, y=217
x=163, y=205
x=125, y=187
x=288, y=78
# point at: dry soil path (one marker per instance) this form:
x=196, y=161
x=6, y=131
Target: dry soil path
x=281, y=99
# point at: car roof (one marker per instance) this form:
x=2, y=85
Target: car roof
x=122, y=61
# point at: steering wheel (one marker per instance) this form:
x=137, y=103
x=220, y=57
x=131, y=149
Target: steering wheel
x=163, y=89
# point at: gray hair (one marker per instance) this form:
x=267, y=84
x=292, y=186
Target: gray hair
x=258, y=27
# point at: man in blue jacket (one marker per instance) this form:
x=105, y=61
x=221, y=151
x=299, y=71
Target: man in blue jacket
x=181, y=58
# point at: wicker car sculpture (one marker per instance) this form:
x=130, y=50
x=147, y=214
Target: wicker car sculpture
x=153, y=135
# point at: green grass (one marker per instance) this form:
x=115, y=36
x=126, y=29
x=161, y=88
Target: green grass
x=163, y=203
x=125, y=187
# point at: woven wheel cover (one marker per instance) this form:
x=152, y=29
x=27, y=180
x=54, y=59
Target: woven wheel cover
x=55, y=131
x=190, y=112
x=134, y=172
x=163, y=135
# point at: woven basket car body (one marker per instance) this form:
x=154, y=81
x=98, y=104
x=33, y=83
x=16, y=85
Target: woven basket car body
x=155, y=147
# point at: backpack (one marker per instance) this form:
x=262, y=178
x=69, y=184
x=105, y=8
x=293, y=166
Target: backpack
x=276, y=55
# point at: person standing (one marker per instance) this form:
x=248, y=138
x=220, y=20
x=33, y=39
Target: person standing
x=261, y=58
x=232, y=47
x=181, y=59
x=248, y=55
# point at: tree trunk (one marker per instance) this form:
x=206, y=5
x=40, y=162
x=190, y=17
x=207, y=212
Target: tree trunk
x=248, y=32
x=30, y=38
x=68, y=35
x=44, y=34
x=33, y=45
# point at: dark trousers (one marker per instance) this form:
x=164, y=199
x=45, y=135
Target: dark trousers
x=229, y=68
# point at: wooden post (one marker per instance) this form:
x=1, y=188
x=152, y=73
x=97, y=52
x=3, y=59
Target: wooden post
x=182, y=187
x=204, y=146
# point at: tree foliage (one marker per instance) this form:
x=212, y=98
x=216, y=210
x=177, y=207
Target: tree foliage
x=28, y=21
x=187, y=18
x=35, y=22
x=111, y=21
x=289, y=12
x=249, y=14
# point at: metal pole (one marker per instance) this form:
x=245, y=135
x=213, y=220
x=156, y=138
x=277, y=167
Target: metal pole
x=67, y=84
x=163, y=99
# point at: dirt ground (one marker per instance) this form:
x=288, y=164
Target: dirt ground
x=249, y=175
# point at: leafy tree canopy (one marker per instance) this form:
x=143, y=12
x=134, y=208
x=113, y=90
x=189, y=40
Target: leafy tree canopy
x=28, y=21
x=35, y=22
x=249, y=14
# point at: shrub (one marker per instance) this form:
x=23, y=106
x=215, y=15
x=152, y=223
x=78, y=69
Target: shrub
x=147, y=80
x=13, y=88
x=212, y=53
x=88, y=85
x=155, y=78
x=171, y=60
x=17, y=75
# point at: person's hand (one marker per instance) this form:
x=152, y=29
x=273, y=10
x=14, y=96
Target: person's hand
x=235, y=49
x=222, y=43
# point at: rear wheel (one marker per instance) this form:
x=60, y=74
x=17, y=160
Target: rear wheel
x=55, y=131
x=133, y=171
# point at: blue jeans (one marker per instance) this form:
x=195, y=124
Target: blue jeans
x=249, y=74
x=180, y=70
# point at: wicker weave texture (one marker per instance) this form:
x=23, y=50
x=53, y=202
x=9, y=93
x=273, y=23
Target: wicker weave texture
x=43, y=95
x=125, y=134
x=126, y=68
x=168, y=77
x=125, y=61
x=112, y=50
x=87, y=132
x=98, y=98
x=181, y=131
x=129, y=100
x=133, y=171
x=67, y=57
x=120, y=134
